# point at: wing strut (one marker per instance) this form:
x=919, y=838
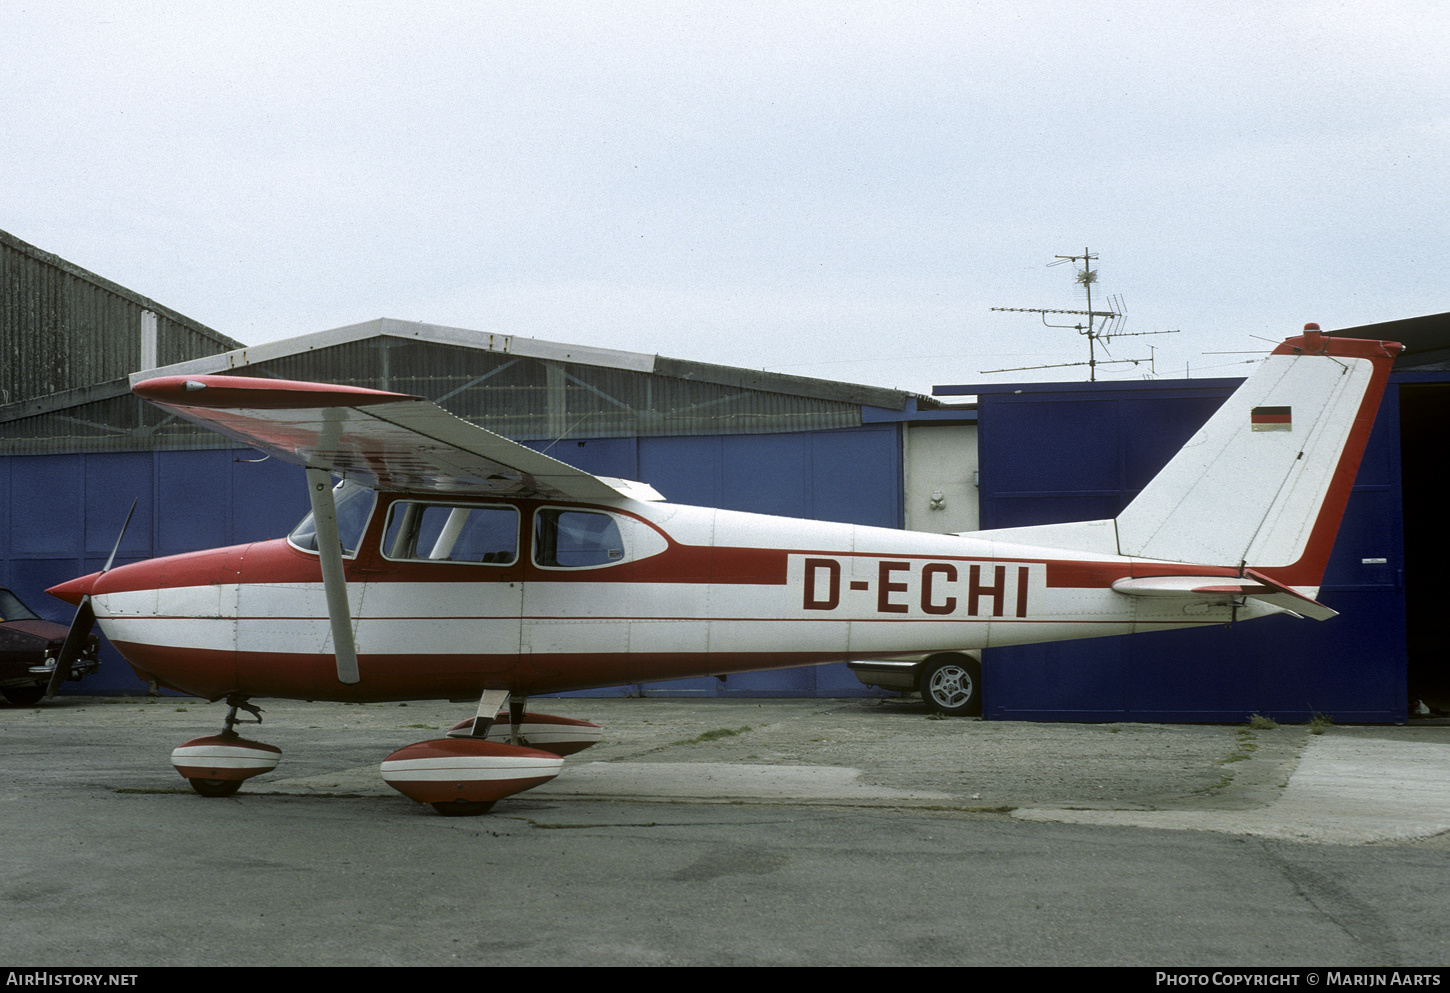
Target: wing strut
x=334, y=582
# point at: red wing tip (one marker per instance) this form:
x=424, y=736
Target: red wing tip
x=229, y=392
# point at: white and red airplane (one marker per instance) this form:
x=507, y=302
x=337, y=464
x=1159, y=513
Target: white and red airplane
x=453, y=563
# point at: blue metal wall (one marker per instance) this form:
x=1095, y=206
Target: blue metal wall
x=62, y=513
x=1061, y=453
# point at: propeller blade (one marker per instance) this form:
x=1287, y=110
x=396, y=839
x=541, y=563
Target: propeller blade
x=74, y=644
x=117, y=546
x=80, y=626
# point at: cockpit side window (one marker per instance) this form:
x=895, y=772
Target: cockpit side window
x=433, y=532
x=354, y=504
x=572, y=539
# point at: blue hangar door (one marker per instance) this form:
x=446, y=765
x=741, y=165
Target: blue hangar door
x=1056, y=452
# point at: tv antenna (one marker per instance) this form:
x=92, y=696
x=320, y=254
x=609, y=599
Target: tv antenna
x=1113, y=320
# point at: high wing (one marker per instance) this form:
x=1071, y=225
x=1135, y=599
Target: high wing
x=386, y=441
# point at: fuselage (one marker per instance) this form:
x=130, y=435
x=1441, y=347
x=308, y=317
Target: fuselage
x=451, y=597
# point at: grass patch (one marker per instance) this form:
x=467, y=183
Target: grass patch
x=1261, y=723
x=1246, y=747
x=1319, y=722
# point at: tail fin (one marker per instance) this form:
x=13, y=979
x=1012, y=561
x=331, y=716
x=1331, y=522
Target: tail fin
x=1264, y=483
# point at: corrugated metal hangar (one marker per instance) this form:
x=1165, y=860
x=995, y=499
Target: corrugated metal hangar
x=68, y=336
x=76, y=447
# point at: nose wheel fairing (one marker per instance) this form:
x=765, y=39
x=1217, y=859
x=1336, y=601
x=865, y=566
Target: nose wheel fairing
x=218, y=764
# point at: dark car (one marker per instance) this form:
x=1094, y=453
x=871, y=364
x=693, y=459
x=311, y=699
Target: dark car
x=29, y=646
x=949, y=682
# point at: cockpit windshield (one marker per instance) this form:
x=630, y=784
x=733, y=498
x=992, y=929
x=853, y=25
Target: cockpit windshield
x=354, y=506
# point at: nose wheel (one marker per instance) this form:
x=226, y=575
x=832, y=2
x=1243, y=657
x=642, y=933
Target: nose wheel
x=216, y=765
x=216, y=787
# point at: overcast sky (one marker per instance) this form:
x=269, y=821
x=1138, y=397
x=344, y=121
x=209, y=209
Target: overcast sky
x=840, y=190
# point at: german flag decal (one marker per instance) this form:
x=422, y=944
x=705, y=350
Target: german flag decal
x=1271, y=419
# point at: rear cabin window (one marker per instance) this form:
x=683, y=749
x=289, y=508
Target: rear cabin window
x=435, y=532
x=571, y=539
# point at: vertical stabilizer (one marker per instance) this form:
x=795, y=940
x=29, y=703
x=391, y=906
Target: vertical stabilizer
x=1264, y=483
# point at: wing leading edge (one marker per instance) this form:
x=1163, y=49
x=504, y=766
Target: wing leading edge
x=386, y=441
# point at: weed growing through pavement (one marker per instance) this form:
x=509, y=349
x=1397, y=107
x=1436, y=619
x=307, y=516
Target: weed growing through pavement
x=715, y=735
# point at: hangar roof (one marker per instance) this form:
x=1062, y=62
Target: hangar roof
x=1426, y=340
x=535, y=348
x=64, y=328
x=523, y=388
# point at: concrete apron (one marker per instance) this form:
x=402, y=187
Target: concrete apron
x=1344, y=791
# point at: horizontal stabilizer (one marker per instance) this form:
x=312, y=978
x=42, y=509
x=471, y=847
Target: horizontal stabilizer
x=1253, y=586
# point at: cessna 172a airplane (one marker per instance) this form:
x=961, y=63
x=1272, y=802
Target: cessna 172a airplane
x=453, y=563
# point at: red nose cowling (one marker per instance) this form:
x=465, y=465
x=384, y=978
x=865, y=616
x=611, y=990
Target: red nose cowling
x=72, y=592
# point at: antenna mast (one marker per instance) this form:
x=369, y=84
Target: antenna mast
x=1112, y=321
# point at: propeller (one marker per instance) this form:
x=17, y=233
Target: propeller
x=85, y=619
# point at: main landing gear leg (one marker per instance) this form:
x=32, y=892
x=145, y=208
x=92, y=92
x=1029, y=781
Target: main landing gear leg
x=517, y=703
x=556, y=735
x=490, y=711
x=217, y=764
x=489, y=705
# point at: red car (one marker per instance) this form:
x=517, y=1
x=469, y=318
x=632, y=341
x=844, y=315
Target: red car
x=29, y=646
